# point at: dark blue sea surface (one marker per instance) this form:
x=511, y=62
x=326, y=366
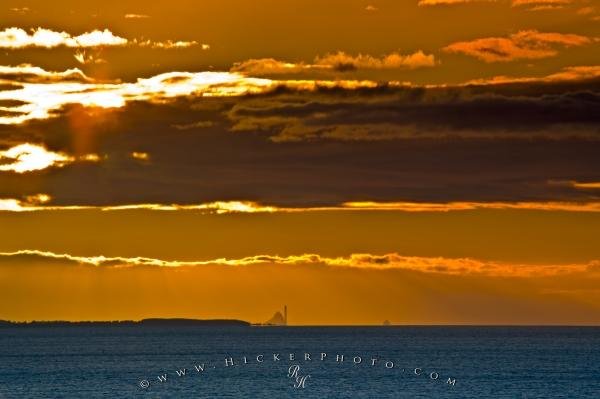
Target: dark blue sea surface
x=126, y=361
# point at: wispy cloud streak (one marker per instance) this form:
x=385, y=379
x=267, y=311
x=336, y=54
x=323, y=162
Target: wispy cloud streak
x=390, y=261
x=338, y=62
x=526, y=44
x=226, y=207
x=18, y=38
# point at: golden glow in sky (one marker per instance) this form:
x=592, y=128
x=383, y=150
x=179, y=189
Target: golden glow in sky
x=327, y=155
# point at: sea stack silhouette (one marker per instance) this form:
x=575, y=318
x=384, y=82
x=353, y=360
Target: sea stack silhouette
x=278, y=319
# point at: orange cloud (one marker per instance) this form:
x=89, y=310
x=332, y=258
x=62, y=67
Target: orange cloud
x=573, y=73
x=225, y=207
x=448, y=2
x=342, y=61
x=539, y=5
x=20, y=10
x=217, y=207
x=586, y=10
x=263, y=66
x=463, y=206
x=528, y=44
x=594, y=185
x=168, y=44
x=587, y=186
x=136, y=16
x=339, y=61
x=533, y=5
x=140, y=156
x=455, y=266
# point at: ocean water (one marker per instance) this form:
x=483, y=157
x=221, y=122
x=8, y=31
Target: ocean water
x=411, y=362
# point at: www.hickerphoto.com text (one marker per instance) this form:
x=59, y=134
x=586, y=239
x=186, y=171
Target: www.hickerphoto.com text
x=305, y=358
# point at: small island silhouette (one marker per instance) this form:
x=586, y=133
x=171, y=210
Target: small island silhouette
x=174, y=322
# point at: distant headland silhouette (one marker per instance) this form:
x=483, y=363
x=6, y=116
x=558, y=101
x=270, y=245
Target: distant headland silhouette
x=174, y=322
x=278, y=319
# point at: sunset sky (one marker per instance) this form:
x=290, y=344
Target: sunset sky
x=417, y=161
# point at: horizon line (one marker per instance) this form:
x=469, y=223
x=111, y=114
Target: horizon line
x=259, y=324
